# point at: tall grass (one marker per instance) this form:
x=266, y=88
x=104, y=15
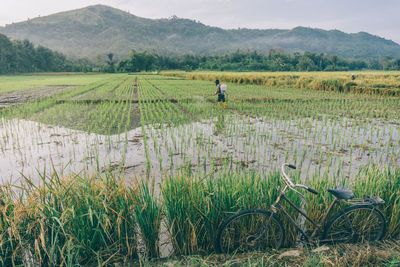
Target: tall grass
x=371, y=180
x=10, y=219
x=78, y=220
x=148, y=216
x=99, y=220
x=196, y=207
x=375, y=180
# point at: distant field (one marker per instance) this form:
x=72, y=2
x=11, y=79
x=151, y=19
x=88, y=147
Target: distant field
x=365, y=82
x=11, y=83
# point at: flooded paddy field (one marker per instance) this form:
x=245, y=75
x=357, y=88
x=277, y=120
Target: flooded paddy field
x=150, y=165
x=151, y=125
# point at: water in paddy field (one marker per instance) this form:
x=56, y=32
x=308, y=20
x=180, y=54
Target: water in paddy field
x=237, y=142
x=244, y=143
x=29, y=148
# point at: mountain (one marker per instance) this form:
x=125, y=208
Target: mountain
x=97, y=30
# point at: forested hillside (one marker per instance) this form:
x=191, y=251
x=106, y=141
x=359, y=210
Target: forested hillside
x=97, y=30
x=23, y=57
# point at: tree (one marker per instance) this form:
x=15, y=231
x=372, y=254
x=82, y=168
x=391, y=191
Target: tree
x=334, y=60
x=110, y=62
x=6, y=50
x=306, y=64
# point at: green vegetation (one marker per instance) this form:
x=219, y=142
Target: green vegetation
x=79, y=220
x=14, y=83
x=251, y=61
x=98, y=219
x=23, y=57
x=197, y=163
x=17, y=56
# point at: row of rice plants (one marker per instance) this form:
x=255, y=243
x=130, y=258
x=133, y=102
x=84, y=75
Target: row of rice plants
x=156, y=112
x=148, y=92
x=179, y=89
x=127, y=91
x=308, y=132
x=59, y=115
x=29, y=108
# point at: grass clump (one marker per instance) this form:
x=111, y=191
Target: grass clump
x=196, y=207
x=10, y=219
x=79, y=220
x=385, y=183
x=148, y=214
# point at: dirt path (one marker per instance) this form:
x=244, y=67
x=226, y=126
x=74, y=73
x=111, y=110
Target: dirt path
x=135, y=89
x=20, y=97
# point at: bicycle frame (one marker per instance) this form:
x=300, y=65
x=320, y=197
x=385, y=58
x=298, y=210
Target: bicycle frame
x=322, y=228
x=318, y=225
x=277, y=206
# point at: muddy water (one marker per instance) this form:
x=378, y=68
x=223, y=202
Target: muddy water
x=339, y=146
x=29, y=148
x=242, y=143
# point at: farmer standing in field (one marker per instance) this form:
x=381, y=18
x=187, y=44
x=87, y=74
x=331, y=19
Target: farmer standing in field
x=221, y=89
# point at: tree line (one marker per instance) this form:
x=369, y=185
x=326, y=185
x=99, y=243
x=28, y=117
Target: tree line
x=23, y=56
x=275, y=60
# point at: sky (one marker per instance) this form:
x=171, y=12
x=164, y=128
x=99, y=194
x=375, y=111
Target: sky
x=378, y=17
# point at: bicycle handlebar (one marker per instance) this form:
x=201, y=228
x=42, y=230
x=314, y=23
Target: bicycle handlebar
x=315, y=192
x=291, y=166
x=289, y=181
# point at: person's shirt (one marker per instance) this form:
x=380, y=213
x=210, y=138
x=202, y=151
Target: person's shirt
x=222, y=88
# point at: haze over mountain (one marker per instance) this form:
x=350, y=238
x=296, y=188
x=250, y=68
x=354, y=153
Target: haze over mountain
x=97, y=30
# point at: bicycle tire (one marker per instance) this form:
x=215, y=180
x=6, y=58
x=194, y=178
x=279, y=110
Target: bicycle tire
x=250, y=230
x=358, y=223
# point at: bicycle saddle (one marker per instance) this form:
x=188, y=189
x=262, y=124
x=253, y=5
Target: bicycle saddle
x=341, y=192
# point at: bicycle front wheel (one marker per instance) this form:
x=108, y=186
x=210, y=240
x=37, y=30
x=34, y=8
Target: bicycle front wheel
x=358, y=223
x=250, y=230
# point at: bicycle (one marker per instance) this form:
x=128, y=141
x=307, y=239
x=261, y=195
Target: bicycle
x=258, y=229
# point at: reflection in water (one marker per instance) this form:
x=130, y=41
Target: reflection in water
x=230, y=140
x=220, y=123
x=30, y=148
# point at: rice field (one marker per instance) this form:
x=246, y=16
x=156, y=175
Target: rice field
x=364, y=82
x=119, y=166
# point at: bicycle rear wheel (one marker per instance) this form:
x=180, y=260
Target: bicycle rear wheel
x=250, y=230
x=358, y=223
